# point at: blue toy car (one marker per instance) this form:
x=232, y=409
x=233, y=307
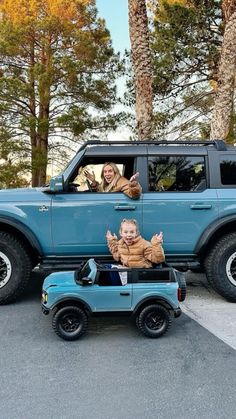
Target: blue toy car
x=150, y=295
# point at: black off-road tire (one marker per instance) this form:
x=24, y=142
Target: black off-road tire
x=220, y=267
x=70, y=322
x=198, y=270
x=154, y=321
x=15, y=268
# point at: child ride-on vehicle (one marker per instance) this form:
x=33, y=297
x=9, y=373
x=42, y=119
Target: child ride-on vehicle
x=151, y=295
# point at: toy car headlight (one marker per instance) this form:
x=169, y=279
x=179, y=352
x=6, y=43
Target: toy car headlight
x=44, y=297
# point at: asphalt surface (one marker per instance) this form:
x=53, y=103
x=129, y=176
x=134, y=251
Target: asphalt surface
x=113, y=372
x=209, y=309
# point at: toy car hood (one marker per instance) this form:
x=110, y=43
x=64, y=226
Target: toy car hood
x=62, y=279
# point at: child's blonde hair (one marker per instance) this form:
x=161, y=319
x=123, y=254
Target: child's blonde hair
x=130, y=221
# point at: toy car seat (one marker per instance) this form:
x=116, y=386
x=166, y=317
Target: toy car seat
x=109, y=276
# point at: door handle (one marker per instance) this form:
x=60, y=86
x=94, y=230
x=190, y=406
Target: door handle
x=125, y=207
x=200, y=206
x=125, y=294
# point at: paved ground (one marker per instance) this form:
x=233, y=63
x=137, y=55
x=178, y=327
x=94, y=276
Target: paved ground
x=209, y=309
x=113, y=372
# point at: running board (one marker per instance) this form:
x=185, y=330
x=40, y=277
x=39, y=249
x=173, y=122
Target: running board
x=73, y=263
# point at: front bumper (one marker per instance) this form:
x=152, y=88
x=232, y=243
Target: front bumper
x=45, y=310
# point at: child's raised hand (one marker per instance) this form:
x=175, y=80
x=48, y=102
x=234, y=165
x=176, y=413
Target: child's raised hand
x=110, y=236
x=134, y=177
x=158, y=238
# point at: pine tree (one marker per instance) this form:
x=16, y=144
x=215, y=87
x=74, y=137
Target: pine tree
x=186, y=42
x=57, y=75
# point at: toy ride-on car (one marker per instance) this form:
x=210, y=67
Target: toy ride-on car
x=151, y=295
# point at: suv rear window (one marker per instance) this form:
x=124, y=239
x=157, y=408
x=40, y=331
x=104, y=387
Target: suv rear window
x=176, y=173
x=228, y=170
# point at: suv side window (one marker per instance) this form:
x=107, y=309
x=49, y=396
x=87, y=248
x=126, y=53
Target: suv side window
x=77, y=181
x=97, y=169
x=228, y=170
x=176, y=173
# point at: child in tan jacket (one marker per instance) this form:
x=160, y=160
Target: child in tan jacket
x=132, y=250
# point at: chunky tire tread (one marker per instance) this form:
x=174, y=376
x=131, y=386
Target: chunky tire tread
x=214, y=263
x=15, y=249
x=198, y=270
x=69, y=335
x=140, y=321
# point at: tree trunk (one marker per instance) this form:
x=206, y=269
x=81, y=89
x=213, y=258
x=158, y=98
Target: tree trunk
x=223, y=107
x=39, y=136
x=33, y=133
x=142, y=67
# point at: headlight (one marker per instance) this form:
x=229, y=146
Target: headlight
x=44, y=297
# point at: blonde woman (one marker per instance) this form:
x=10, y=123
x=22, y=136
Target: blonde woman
x=112, y=181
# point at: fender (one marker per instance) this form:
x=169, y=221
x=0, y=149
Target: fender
x=71, y=299
x=24, y=230
x=211, y=230
x=151, y=298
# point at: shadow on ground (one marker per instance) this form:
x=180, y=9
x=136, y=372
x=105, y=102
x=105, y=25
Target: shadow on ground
x=34, y=287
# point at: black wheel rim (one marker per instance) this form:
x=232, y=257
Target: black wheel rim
x=154, y=321
x=70, y=323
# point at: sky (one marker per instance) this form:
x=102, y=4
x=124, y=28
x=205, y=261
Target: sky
x=115, y=13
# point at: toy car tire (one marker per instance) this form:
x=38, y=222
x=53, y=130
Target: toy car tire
x=70, y=322
x=153, y=321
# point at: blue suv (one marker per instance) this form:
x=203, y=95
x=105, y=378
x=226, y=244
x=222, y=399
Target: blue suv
x=188, y=193
x=149, y=295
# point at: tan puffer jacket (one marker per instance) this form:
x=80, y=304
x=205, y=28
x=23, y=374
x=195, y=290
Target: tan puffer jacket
x=132, y=189
x=141, y=254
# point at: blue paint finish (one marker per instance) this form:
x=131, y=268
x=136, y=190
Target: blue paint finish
x=227, y=201
x=31, y=208
x=167, y=291
x=80, y=221
x=182, y=216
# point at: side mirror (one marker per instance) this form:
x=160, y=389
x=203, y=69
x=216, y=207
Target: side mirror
x=57, y=184
x=87, y=281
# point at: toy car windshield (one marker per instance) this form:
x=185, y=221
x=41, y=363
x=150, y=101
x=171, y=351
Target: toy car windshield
x=87, y=274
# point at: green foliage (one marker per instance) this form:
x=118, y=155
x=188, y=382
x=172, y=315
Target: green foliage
x=14, y=170
x=79, y=121
x=186, y=45
x=57, y=79
x=231, y=135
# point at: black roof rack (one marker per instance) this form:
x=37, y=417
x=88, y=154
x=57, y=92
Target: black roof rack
x=218, y=144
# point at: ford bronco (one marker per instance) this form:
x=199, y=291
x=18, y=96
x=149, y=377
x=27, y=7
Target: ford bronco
x=189, y=193
x=151, y=296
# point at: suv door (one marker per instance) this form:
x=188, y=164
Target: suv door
x=81, y=219
x=177, y=200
